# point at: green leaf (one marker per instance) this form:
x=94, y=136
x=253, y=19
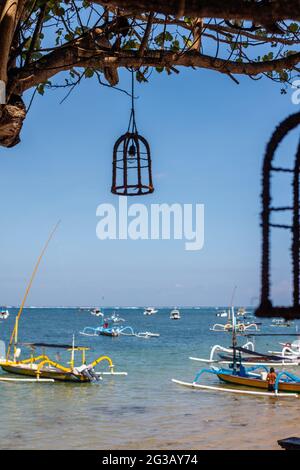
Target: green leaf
x=283, y=75
x=293, y=27
x=88, y=72
x=131, y=44
x=163, y=37
x=41, y=88
x=140, y=77
x=69, y=36
x=175, y=46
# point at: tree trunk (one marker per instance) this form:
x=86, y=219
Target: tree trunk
x=12, y=116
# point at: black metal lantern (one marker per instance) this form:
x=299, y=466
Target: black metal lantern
x=266, y=308
x=132, y=172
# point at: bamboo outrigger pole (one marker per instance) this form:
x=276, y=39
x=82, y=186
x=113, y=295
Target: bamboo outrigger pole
x=14, y=335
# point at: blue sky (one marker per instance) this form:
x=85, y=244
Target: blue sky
x=207, y=137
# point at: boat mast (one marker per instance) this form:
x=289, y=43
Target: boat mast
x=233, y=319
x=14, y=335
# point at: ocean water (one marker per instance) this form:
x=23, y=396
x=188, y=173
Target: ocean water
x=144, y=410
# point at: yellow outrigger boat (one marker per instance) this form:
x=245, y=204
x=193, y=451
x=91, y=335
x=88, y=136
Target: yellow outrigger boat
x=41, y=368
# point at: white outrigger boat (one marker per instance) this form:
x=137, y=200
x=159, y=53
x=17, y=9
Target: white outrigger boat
x=150, y=311
x=175, y=314
x=240, y=327
x=289, y=349
x=4, y=314
x=248, y=356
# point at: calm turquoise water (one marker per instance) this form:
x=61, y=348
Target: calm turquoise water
x=144, y=410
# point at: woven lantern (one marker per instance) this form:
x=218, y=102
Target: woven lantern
x=132, y=172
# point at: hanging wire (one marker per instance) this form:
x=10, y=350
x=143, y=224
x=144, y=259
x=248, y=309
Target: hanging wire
x=132, y=121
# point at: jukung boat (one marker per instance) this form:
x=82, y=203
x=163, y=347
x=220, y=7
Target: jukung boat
x=106, y=330
x=247, y=355
x=101, y=330
x=240, y=327
x=289, y=349
x=41, y=368
x=287, y=384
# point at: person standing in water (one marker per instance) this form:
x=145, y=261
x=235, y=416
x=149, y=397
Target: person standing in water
x=271, y=379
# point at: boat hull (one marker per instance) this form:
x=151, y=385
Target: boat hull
x=28, y=371
x=258, y=383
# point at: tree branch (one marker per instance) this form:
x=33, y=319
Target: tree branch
x=259, y=12
x=73, y=55
x=8, y=23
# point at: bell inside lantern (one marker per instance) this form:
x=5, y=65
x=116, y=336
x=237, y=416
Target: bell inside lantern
x=132, y=171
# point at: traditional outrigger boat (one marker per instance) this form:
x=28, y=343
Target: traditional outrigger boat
x=116, y=331
x=289, y=349
x=240, y=327
x=286, y=384
x=101, y=331
x=41, y=368
x=255, y=377
x=247, y=355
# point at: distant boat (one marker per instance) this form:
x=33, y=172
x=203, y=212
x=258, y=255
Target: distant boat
x=222, y=314
x=175, y=314
x=115, y=318
x=150, y=311
x=242, y=312
x=281, y=322
x=4, y=314
x=97, y=312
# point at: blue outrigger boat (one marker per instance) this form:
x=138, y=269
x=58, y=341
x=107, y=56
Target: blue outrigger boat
x=101, y=330
x=114, y=331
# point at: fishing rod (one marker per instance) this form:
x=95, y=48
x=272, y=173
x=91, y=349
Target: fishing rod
x=14, y=335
